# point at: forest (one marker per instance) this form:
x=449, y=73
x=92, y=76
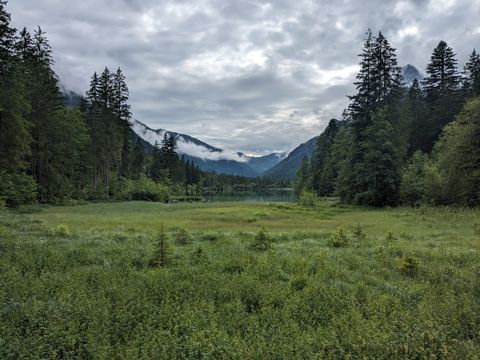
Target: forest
x=52, y=153
x=402, y=145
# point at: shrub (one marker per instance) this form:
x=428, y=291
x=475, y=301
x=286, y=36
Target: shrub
x=339, y=239
x=307, y=198
x=408, y=265
x=198, y=255
x=235, y=266
x=299, y=284
x=209, y=237
x=358, y=232
x=143, y=189
x=162, y=251
x=182, y=236
x=63, y=230
x=390, y=236
x=262, y=241
x=476, y=228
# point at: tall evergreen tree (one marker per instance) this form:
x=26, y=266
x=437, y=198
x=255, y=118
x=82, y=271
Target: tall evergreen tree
x=472, y=75
x=441, y=86
x=303, y=180
x=323, y=183
x=14, y=127
x=45, y=100
x=378, y=84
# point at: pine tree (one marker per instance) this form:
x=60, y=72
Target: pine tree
x=441, y=87
x=323, y=182
x=378, y=85
x=362, y=101
x=386, y=74
x=417, y=111
x=161, y=257
x=45, y=100
x=92, y=109
x=472, y=75
x=123, y=115
x=7, y=37
x=303, y=179
x=15, y=137
x=378, y=182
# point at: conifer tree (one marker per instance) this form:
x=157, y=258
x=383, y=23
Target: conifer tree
x=323, y=182
x=15, y=137
x=45, y=100
x=377, y=85
x=472, y=75
x=303, y=179
x=441, y=86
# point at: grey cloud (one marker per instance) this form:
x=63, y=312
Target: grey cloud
x=231, y=72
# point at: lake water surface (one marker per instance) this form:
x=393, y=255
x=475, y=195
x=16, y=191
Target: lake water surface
x=283, y=197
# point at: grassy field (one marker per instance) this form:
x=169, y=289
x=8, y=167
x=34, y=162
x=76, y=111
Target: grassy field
x=340, y=283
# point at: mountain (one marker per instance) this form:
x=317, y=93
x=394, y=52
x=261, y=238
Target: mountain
x=70, y=98
x=410, y=73
x=209, y=158
x=288, y=167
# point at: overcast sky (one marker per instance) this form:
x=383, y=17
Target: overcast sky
x=245, y=75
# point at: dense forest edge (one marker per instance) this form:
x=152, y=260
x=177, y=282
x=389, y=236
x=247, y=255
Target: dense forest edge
x=395, y=144
x=54, y=153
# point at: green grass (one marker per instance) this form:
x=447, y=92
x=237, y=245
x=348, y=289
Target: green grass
x=77, y=282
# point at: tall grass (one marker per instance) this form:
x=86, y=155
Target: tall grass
x=88, y=290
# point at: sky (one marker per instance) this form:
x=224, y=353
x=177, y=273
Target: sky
x=252, y=76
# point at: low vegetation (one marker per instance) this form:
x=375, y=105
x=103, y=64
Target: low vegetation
x=150, y=280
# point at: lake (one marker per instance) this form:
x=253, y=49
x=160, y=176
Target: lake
x=253, y=198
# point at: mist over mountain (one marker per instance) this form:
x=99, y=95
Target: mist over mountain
x=208, y=157
x=212, y=159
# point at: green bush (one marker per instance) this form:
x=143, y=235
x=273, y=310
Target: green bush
x=63, y=231
x=182, y=236
x=262, y=241
x=408, y=265
x=358, y=232
x=17, y=189
x=307, y=198
x=339, y=239
x=143, y=189
x=210, y=236
x=390, y=236
x=299, y=284
x=476, y=227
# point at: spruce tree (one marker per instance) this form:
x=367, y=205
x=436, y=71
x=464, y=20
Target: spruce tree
x=45, y=100
x=15, y=137
x=378, y=85
x=441, y=86
x=303, y=179
x=322, y=180
x=472, y=75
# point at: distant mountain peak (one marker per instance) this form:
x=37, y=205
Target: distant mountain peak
x=208, y=157
x=410, y=73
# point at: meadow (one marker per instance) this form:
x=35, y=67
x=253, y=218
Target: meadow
x=327, y=282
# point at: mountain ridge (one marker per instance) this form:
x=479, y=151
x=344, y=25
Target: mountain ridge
x=210, y=158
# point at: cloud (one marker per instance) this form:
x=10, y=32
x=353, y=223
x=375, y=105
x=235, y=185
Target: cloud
x=231, y=72
x=201, y=152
